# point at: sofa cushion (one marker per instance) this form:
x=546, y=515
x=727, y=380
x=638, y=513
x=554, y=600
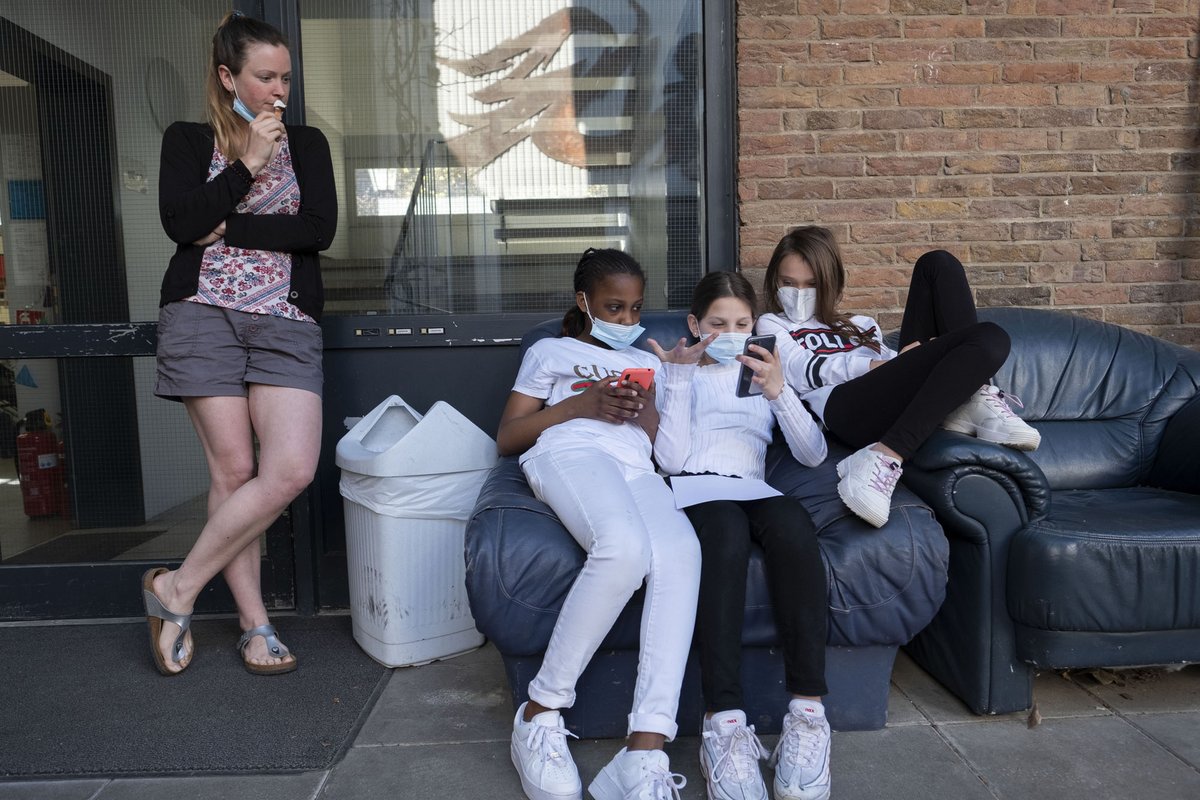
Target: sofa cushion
x=1112, y=560
x=1101, y=395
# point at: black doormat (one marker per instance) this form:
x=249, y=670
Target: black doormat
x=87, y=701
x=83, y=547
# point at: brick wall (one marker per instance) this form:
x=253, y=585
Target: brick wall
x=1050, y=144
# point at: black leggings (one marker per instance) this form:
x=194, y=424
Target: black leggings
x=900, y=403
x=795, y=580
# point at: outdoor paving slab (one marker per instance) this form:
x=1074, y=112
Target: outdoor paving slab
x=1055, y=696
x=912, y=761
x=461, y=699
x=1146, y=691
x=1177, y=732
x=301, y=786
x=473, y=771
x=901, y=710
x=49, y=790
x=1083, y=758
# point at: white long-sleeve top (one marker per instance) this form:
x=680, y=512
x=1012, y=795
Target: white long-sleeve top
x=816, y=359
x=705, y=427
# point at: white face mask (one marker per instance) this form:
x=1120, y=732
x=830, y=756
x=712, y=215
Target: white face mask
x=613, y=334
x=727, y=346
x=798, y=304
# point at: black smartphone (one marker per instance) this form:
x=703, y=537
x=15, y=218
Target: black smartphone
x=746, y=387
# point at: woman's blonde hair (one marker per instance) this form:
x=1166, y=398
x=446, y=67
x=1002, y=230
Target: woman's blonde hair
x=820, y=251
x=230, y=44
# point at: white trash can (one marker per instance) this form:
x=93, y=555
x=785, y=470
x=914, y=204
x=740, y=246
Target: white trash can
x=409, y=483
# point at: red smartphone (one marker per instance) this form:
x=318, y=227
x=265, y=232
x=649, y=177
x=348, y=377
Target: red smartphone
x=642, y=376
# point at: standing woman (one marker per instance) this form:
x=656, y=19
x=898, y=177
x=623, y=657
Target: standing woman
x=249, y=202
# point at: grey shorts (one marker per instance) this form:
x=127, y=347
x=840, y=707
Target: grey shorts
x=207, y=351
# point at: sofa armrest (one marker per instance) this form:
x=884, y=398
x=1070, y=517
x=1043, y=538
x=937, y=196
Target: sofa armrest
x=946, y=458
x=1177, y=464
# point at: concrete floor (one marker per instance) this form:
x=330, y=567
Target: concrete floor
x=441, y=731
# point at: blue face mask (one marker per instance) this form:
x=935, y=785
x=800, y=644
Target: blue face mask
x=727, y=346
x=613, y=334
x=239, y=107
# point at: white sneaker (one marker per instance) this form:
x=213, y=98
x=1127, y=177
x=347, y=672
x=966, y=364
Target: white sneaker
x=989, y=416
x=801, y=759
x=729, y=756
x=637, y=775
x=868, y=479
x=540, y=754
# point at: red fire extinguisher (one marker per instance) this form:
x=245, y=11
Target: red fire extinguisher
x=40, y=467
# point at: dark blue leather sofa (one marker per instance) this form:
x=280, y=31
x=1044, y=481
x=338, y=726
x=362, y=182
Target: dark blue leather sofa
x=884, y=586
x=1086, y=552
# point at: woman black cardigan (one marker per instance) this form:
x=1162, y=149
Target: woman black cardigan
x=191, y=207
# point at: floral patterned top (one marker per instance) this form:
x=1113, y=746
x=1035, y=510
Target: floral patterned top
x=254, y=281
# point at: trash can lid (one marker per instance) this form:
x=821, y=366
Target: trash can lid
x=394, y=440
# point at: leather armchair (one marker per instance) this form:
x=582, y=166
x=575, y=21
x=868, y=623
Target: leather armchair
x=884, y=586
x=1085, y=552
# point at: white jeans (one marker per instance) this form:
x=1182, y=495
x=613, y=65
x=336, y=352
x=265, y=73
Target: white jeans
x=626, y=520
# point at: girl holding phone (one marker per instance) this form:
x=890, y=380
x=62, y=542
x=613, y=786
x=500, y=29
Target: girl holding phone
x=706, y=428
x=585, y=440
x=872, y=398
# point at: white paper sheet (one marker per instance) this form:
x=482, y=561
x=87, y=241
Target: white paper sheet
x=692, y=489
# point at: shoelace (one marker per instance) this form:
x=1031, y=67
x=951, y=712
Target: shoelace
x=800, y=740
x=549, y=742
x=885, y=475
x=662, y=783
x=742, y=752
x=999, y=400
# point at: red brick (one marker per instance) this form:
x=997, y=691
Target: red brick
x=771, y=52
x=1041, y=72
x=1180, y=27
x=1030, y=185
x=1165, y=293
x=869, y=255
x=1017, y=139
x=1013, y=296
x=931, y=209
x=870, y=188
x=994, y=51
x=1120, y=250
x=1083, y=95
x=1010, y=96
x=1056, y=117
x=899, y=119
x=921, y=52
x=1105, y=27
x=758, y=75
x=762, y=168
x=904, y=165
x=1155, y=205
x=965, y=186
x=1142, y=228
x=1022, y=27
x=865, y=142
x=762, y=213
x=1177, y=117
x=926, y=7
x=1056, y=162
x=989, y=6
x=1012, y=208
x=961, y=73
x=1144, y=49
x=777, y=97
x=832, y=166
x=1040, y=231
x=1091, y=229
x=771, y=28
x=957, y=165
x=856, y=97
x=938, y=141
x=1107, y=184
x=775, y=144
x=824, y=120
x=1113, y=117
x=943, y=28
x=1133, y=6
x=1099, y=139
x=1105, y=72
x=937, y=96
x=1071, y=50
x=1143, y=271
x=793, y=189
x=816, y=8
x=1001, y=274
x=1005, y=252
x=1078, y=294
x=759, y=8
x=809, y=75
x=854, y=210
x=1094, y=206
x=747, y=192
x=860, y=28
x=848, y=52
x=864, y=7
x=1182, y=250
x=1156, y=71
x=979, y=118
x=888, y=232
x=1132, y=162
x=874, y=278
x=1050, y=8
x=882, y=74
x=1061, y=251
x=767, y=121
x=1059, y=272
x=969, y=231
x=1142, y=315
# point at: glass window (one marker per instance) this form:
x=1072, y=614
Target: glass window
x=480, y=147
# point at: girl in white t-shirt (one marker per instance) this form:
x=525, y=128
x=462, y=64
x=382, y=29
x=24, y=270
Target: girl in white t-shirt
x=869, y=396
x=585, y=441
x=706, y=428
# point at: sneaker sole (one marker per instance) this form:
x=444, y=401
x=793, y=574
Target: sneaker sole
x=706, y=771
x=860, y=510
x=605, y=788
x=1026, y=441
x=533, y=792
x=822, y=795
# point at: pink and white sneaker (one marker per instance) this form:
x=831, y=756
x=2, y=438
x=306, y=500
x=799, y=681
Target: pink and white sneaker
x=868, y=478
x=988, y=415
